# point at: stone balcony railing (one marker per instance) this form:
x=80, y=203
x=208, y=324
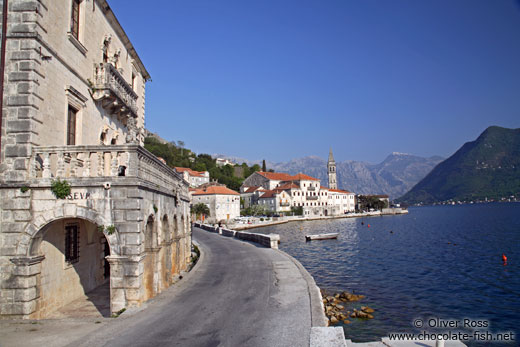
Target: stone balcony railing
x=50, y=162
x=115, y=94
x=285, y=204
x=311, y=188
x=312, y=197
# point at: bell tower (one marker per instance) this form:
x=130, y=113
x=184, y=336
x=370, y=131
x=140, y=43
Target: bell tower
x=331, y=168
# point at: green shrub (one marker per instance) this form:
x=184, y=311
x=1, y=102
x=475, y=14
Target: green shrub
x=60, y=189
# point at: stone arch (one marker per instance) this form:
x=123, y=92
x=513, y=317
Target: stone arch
x=71, y=270
x=166, y=230
x=35, y=230
x=150, y=233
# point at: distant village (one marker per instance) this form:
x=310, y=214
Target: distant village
x=273, y=194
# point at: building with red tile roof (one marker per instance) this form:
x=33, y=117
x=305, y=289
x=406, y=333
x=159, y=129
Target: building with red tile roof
x=194, y=178
x=223, y=203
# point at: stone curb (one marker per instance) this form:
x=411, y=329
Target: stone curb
x=318, y=318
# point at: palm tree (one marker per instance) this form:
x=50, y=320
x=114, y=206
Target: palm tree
x=200, y=209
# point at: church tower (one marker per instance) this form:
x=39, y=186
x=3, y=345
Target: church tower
x=331, y=168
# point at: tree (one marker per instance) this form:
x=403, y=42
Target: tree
x=200, y=209
x=181, y=145
x=264, y=168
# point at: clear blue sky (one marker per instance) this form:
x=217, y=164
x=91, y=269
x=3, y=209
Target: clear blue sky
x=284, y=79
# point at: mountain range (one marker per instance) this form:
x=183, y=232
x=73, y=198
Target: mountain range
x=488, y=167
x=394, y=176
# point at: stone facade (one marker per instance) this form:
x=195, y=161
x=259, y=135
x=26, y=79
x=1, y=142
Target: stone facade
x=223, y=203
x=73, y=109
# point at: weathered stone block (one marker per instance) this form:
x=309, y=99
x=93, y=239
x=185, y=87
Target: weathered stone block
x=11, y=227
x=116, y=282
x=7, y=251
x=19, y=126
x=17, y=204
x=27, y=5
x=132, y=282
x=131, y=250
x=134, y=216
x=18, y=150
x=119, y=216
x=133, y=294
x=22, y=216
x=23, y=28
x=134, y=193
x=132, y=239
x=118, y=193
x=132, y=269
x=69, y=209
x=27, y=270
x=24, y=295
x=20, y=164
x=27, y=112
x=22, y=100
x=127, y=204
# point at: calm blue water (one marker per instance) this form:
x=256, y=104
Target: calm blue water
x=417, y=271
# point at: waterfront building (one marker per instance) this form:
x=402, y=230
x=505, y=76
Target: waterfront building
x=73, y=116
x=341, y=202
x=277, y=201
x=223, y=203
x=250, y=195
x=331, y=169
x=194, y=178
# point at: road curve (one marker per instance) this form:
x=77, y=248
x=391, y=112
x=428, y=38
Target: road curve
x=239, y=294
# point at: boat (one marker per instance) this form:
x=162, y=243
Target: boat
x=321, y=236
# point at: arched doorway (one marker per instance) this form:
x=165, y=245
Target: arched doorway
x=150, y=247
x=75, y=276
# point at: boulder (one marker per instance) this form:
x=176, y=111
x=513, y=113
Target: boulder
x=333, y=320
x=367, y=309
x=346, y=321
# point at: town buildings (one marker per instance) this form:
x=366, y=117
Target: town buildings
x=284, y=193
x=73, y=116
x=194, y=178
x=223, y=203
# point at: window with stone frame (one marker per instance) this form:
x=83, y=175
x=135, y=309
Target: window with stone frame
x=71, y=125
x=74, y=19
x=71, y=243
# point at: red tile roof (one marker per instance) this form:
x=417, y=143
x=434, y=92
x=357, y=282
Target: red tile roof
x=282, y=176
x=190, y=171
x=268, y=194
x=253, y=189
x=340, y=191
x=276, y=176
x=303, y=177
x=215, y=190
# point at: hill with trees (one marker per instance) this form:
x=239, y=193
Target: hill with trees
x=177, y=155
x=487, y=168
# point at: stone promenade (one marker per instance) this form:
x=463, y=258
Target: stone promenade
x=239, y=294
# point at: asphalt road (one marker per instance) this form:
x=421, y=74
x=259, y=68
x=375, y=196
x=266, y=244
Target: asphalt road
x=239, y=294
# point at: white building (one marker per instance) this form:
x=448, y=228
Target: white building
x=284, y=191
x=223, y=203
x=223, y=162
x=194, y=178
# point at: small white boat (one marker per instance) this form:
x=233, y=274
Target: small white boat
x=321, y=236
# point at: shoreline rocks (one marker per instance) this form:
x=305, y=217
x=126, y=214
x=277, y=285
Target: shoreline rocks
x=336, y=312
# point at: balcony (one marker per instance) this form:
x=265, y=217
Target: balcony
x=91, y=162
x=311, y=188
x=285, y=204
x=114, y=93
x=312, y=197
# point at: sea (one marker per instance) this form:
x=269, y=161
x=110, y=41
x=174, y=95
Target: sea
x=436, y=270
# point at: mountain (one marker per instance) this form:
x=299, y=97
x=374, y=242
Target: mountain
x=394, y=176
x=488, y=167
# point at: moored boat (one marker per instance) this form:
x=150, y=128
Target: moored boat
x=321, y=236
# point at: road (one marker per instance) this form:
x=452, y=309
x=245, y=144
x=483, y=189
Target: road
x=239, y=294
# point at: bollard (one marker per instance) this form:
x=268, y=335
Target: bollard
x=439, y=342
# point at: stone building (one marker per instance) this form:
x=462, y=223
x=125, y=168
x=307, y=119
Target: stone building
x=223, y=203
x=194, y=178
x=72, y=114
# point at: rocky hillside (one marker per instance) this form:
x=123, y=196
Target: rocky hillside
x=394, y=176
x=488, y=167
